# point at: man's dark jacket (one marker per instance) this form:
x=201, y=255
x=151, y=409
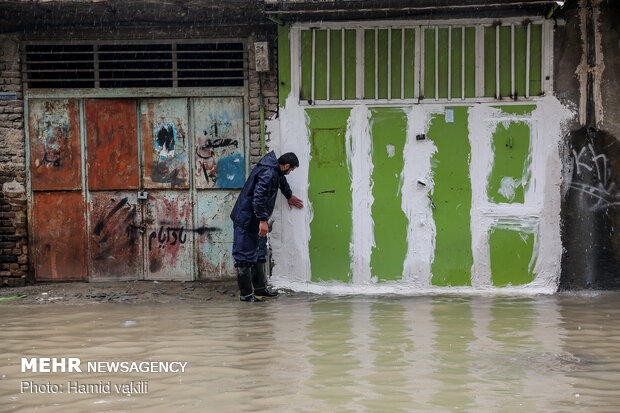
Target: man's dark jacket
x=258, y=196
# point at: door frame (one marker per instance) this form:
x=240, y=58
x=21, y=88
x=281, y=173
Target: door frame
x=130, y=93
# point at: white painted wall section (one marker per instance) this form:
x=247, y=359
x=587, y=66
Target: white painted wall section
x=290, y=234
x=359, y=161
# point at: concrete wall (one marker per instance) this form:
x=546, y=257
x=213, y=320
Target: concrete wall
x=591, y=151
x=609, y=31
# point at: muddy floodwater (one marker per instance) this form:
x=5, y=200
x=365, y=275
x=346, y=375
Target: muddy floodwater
x=304, y=353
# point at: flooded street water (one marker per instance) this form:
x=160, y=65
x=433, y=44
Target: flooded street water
x=326, y=354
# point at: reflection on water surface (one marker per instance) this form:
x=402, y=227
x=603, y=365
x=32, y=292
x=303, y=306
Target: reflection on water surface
x=329, y=354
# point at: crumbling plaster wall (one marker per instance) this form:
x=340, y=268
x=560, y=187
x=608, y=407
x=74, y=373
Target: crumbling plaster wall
x=609, y=29
x=571, y=66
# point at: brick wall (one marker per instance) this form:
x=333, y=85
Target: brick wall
x=13, y=228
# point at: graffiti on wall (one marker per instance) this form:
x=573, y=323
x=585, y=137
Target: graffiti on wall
x=590, y=212
x=114, y=241
x=169, y=167
x=166, y=213
x=164, y=123
x=55, y=144
x=594, y=178
x=54, y=136
x=168, y=235
x=219, y=143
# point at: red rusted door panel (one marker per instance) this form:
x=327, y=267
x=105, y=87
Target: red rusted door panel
x=169, y=235
x=164, y=123
x=54, y=128
x=112, y=142
x=219, y=143
x=115, y=240
x=59, y=236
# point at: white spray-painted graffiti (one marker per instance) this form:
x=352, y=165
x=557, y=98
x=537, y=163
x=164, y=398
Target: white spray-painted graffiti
x=508, y=187
x=600, y=188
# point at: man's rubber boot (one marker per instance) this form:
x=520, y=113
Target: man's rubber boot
x=244, y=281
x=259, y=280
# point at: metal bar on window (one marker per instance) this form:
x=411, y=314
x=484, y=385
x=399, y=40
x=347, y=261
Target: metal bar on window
x=342, y=60
x=450, y=63
x=67, y=70
x=546, y=72
x=96, y=65
x=418, y=71
x=132, y=79
x=175, y=75
x=328, y=60
x=132, y=60
x=480, y=60
x=295, y=51
x=63, y=52
x=402, y=63
x=419, y=67
x=389, y=64
x=497, y=95
x=512, y=61
x=436, y=62
x=463, y=62
x=376, y=63
x=359, y=63
x=146, y=69
x=313, y=62
x=527, y=60
x=182, y=52
x=543, y=53
x=75, y=61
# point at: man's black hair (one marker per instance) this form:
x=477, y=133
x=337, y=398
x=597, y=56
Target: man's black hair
x=289, y=158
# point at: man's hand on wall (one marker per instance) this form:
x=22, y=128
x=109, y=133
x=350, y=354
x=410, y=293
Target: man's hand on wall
x=293, y=201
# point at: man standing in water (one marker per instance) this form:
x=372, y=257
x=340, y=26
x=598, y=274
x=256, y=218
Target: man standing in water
x=250, y=214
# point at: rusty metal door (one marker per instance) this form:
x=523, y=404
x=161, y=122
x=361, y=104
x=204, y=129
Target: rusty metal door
x=59, y=245
x=161, y=177
x=58, y=216
x=169, y=236
x=165, y=195
x=215, y=236
x=114, y=215
x=114, y=239
x=111, y=138
x=219, y=171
